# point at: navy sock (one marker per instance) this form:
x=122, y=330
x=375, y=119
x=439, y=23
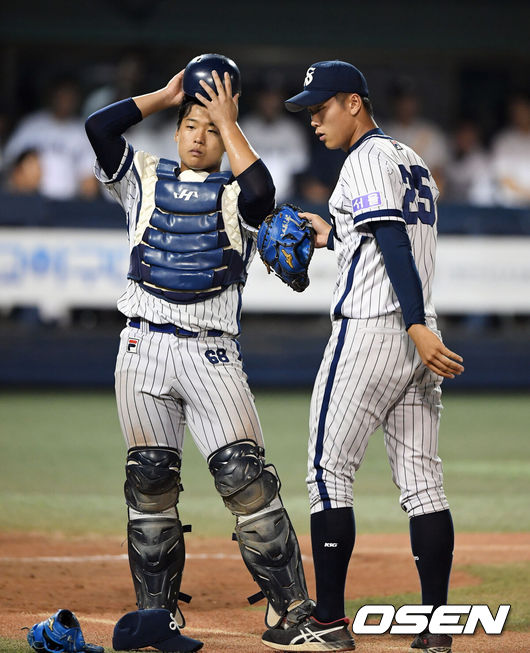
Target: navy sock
x=332, y=539
x=432, y=540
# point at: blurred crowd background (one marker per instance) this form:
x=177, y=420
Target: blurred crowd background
x=449, y=79
x=478, y=149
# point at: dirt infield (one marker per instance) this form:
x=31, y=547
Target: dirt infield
x=40, y=574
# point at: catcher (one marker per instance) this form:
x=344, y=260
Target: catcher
x=192, y=233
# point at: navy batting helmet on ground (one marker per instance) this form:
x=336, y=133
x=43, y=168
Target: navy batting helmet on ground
x=201, y=68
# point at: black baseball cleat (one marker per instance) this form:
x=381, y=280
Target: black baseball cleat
x=429, y=643
x=311, y=635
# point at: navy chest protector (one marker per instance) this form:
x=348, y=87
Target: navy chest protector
x=185, y=255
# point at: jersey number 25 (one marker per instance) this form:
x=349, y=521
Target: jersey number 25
x=418, y=203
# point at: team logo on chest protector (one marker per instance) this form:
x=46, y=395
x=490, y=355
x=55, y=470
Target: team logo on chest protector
x=185, y=194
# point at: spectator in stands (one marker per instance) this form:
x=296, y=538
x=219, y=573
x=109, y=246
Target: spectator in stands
x=277, y=137
x=25, y=174
x=58, y=135
x=511, y=154
x=469, y=173
x=317, y=182
x=410, y=127
x=127, y=78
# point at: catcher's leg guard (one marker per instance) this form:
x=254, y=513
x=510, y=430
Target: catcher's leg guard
x=266, y=537
x=155, y=533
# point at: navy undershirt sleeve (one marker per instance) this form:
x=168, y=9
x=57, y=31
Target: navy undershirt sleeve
x=104, y=129
x=331, y=243
x=256, y=199
x=395, y=246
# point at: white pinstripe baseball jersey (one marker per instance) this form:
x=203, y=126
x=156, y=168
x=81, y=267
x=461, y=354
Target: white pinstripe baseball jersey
x=371, y=374
x=133, y=187
x=380, y=180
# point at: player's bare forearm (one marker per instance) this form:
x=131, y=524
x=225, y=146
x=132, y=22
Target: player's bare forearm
x=223, y=109
x=238, y=149
x=321, y=227
x=434, y=354
x=169, y=96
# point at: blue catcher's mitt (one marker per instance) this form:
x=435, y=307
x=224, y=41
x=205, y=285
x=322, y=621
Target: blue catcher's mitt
x=60, y=633
x=286, y=244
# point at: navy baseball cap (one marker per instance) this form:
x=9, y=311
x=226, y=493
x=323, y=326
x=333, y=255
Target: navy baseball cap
x=325, y=79
x=151, y=628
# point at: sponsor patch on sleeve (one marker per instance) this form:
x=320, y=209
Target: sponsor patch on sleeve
x=366, y=201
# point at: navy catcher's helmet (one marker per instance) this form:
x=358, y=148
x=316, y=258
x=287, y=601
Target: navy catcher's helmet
x=201, y=68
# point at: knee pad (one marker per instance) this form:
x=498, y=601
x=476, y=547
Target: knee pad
x=155, y=540
x=241, y=477
x=267, y=541
x=152, y=482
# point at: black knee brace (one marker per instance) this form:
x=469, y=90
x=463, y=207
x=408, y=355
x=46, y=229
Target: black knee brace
x=268, y=542
x=152, y=479
x=155, y=542
x=241, y=478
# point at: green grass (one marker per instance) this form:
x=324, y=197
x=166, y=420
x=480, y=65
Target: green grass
x=12, y=646
x=507, y=583
x=62, y=470
x=62, y=462
x=63, y=456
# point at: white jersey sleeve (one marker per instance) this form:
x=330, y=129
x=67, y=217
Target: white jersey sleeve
x=123, y=188
x=372, y=188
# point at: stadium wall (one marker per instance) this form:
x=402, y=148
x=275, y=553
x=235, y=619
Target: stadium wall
x=62, y=266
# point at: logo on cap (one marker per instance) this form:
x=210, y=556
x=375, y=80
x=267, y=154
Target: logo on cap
x=309, y=76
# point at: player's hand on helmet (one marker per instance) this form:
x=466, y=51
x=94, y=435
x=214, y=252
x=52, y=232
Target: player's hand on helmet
x=434, y=354
x=221, y=105
x=173, y=89
x=321, y=227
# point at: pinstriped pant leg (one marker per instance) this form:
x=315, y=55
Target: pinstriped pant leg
x=149, y=412
x=340, y=424
x=411, y=439
x=218, y=404
x=366, y=368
